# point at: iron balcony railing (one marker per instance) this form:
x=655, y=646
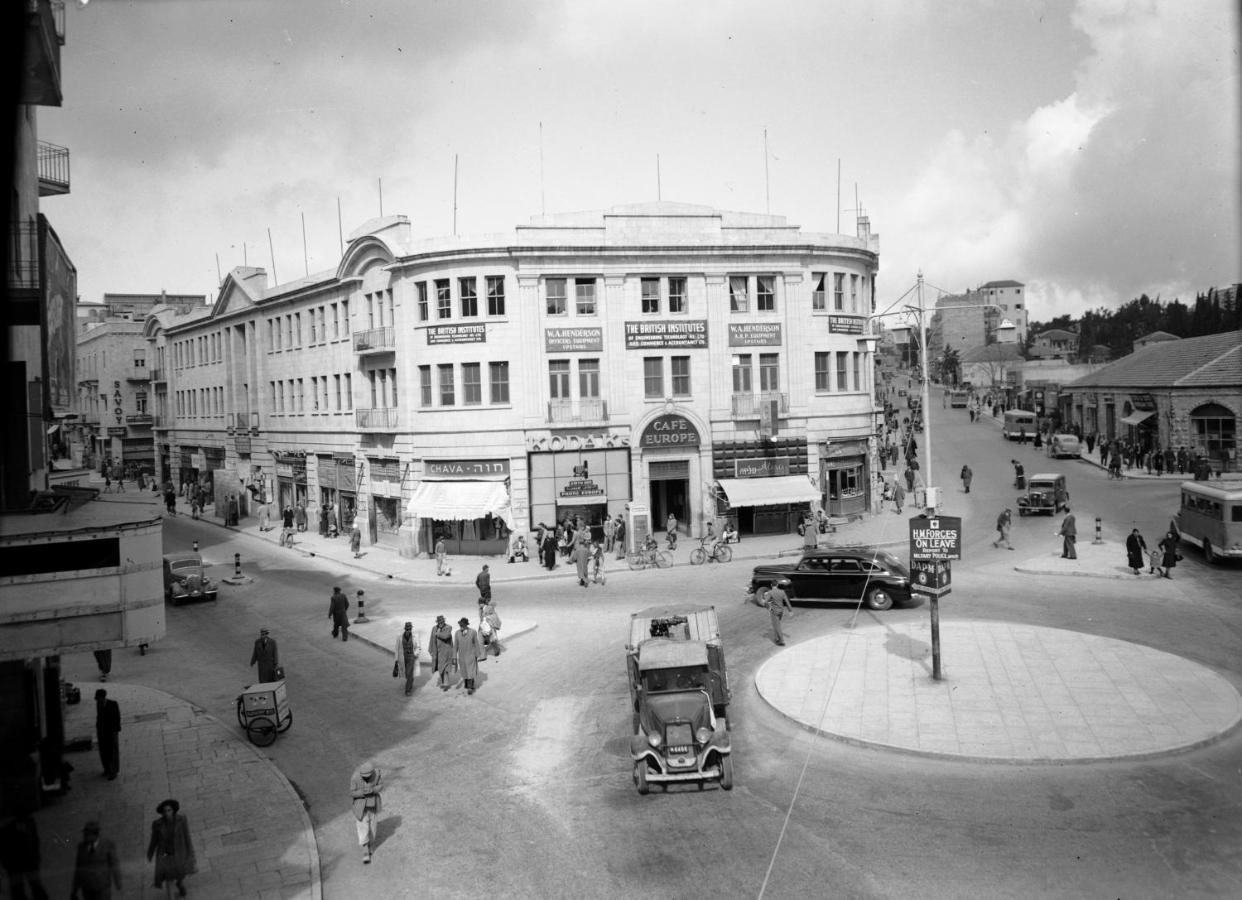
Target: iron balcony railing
x=585, y=409
x=23, y=268
x=375, y=340
x=382, y=419
x=53, y=164
x=749, y=406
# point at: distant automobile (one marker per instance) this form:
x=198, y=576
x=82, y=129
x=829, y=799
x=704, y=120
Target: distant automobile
x=1063, y=445
x=837, y=573
x=185, y=579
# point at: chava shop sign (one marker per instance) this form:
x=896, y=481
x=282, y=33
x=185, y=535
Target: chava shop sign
x=670, y=430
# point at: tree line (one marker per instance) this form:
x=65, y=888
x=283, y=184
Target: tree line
x=1213, y=312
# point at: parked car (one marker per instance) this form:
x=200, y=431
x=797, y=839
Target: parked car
x=837, y=573
x=185, y=579
x=1045, y=493
x=1063, y=445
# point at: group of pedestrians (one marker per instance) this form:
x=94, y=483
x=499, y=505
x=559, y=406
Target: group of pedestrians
x=97, y=866
x=1159, y=562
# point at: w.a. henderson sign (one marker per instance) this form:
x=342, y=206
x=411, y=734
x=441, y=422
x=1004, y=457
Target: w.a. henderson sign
x=936, y=537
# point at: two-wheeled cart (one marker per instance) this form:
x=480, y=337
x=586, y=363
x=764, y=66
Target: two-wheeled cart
x=263, y=711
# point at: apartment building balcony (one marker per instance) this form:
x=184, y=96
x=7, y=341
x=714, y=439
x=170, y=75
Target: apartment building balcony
x=22, y=274
x=139, y=419
x=750, y=406
x=582, y=411
x=384, y=419
x=137, y=373
x=375, y=340
x=158, y=374
x=45, y=35
x=53, y=165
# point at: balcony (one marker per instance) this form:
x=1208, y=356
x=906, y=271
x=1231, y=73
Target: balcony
x=140, y=419
x=158, y=374
x=749, y=406
x=375, y=340
x=45, y=34
x=53, y=164
x=384, y=419
x=23, y=268
x=137, y=373
x=577, y=412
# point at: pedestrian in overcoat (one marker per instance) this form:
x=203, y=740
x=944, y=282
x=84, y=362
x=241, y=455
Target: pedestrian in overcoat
x=483, y=581
x=407, y=650
x=323, y=521
x=1069, y=537
x=1003, y=523
x=266, y=655
x=440, y=646
x=619, y=538
x=967, y=477
x=170, y=846
x=365, y=786
x=338, y=612
x=469, y=650
x=299, y=517
x=1168, y=550
x=355, y=541
x=96, y=870
x=108, y=733
x=582, y=558
x=263, y=517
x=899, y=494
x=1136, y=550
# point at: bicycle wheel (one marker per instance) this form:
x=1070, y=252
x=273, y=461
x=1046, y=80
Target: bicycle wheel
x=663, y=560
x=698, y=556
x=261, y=731
x=637, y=561
x=723, y=554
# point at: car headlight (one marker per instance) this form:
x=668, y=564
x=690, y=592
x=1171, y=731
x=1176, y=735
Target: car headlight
x=654, y=739
x=704, y=735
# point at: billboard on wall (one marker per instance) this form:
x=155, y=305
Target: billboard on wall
x=657, y=334
x=60, y=295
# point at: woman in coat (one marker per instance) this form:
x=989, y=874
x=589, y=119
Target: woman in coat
x=440, y=648
x=1168, y=547
x=1136, y=549
x=469, y=649
x=170, y=846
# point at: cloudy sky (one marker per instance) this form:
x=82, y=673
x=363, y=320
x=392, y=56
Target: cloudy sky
x=1088, y=148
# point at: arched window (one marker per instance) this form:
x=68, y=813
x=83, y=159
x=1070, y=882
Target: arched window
x=1215, y=429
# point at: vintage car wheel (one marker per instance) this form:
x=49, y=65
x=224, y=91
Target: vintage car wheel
x=284, y=726
x=1021, y=510
x=636, y=561
x=640, y=777
x=261, y=731
x=761, y=595
x=726, y=772
x=879, y=599
x=663, y=560
x=698, y=556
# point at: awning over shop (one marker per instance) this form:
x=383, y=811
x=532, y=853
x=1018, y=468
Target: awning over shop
x=452, y=501
x=768, y=491
x=1138, y=416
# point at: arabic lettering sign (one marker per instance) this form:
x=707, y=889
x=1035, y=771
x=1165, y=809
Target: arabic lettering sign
x=657, y=334
x=937, y=537
x=456, y=334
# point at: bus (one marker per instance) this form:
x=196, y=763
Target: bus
x=1017, y=423
x=1211, y=517
x=958, y=399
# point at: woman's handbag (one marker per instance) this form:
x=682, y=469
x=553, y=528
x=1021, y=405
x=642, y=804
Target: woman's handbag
x=396, y=666
x=280, y=673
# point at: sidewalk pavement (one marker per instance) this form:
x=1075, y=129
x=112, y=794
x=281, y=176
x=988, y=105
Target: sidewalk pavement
x=251, y=832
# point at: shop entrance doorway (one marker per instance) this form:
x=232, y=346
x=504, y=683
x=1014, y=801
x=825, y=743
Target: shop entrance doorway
x=670, y=493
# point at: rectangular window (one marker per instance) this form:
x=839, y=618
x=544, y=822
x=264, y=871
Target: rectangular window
x=314, y=385
x=498, y=375
x=854, y=293
x=765, y=293
x=677, y=295
x=371, y=379
x=424, y=386
x=819, y=299
x=588, y=378
x=471, y=384
x=823, y=371
x=392, y=379
x=281, y=405
x=301, y=397
x=857, y=370
x=271, y=395
x=739, y=295
x=373, y=301
x=314, y=330
x=336, y=322
x=838, y=291
x=324, y=380
x=842, y=382
x=448, y=393
x=554, y=289
x=741, y=374
x=495, y=295
x=271, y=336
x=444, y=299
x=297, y=329
x=424, y=312
x=651, y=295
x=469, y=296
x=584, y=293
x=681, y=376
x=653, y=376
x=769, y=371
x=558, y=379
x=336, y=386
x=345, y=318
x=349, y=391
x=323, y=323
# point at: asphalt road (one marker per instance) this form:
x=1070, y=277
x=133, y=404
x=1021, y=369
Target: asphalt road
x=524, y=789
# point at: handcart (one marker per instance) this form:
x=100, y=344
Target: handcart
x=263, y=710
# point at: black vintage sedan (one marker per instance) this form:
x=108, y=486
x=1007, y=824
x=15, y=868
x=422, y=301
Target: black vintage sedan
x=847, y=574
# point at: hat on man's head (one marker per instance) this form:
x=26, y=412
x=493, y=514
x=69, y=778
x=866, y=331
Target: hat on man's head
x=100, y=694
x=263, y=632
x=176, y=807
x=367, y=769
x=439, y=620
x=463, y=621
x=409, y=626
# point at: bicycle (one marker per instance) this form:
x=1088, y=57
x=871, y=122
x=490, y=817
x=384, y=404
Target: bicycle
x=649, y=557
x=718, y=553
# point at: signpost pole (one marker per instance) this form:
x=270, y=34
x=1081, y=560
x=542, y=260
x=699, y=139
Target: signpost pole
x=935, y=634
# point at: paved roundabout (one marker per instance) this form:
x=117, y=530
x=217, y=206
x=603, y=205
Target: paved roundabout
x=1011, y=693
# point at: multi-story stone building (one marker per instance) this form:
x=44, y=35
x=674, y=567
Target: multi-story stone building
x=978, y=317
x=650, y=360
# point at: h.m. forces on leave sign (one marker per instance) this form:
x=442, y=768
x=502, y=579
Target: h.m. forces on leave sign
x=935, y=537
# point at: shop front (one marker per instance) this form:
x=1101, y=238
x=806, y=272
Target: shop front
x=843, y=477
x=334, y=477
x=670, y=443
x=290, y=480
x=465, y=503
x=384, y=508
x=577, y=481
x=763, y=487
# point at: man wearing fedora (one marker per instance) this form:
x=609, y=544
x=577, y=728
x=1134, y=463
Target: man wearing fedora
x=364, y=787
x=108, y=733
x=469, y=651
x=266, y=655
x=96, y=871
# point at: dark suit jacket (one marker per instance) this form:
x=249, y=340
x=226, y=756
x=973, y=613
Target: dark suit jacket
x=99, y=870
x=108, y=717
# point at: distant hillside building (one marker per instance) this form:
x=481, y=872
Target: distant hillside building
x=1156, y=337
x=1054, y=343
x=978, y=317
x=1168, y=394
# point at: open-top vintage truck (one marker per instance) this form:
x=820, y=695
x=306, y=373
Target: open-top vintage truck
x=679, y=693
